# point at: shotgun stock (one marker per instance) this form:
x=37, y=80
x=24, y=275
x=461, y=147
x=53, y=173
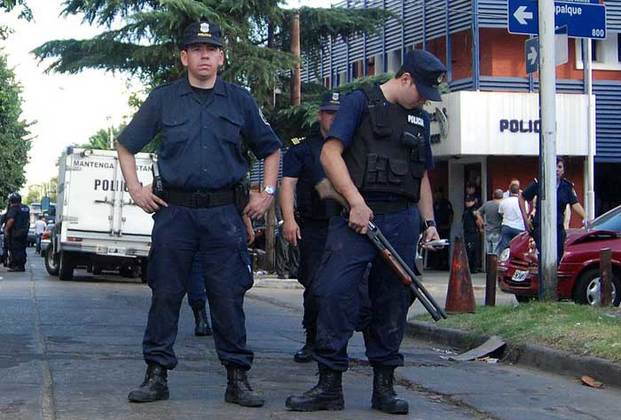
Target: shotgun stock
x=326, y=191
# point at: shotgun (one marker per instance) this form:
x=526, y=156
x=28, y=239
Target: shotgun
x=326, y=191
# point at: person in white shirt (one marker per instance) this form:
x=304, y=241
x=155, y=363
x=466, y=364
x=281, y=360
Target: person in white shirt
x=40, y=227
x=512, y=220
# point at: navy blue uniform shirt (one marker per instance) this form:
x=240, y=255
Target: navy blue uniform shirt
x=565, y=194
x=302, y=160
x=202, y=145
x=354, y=108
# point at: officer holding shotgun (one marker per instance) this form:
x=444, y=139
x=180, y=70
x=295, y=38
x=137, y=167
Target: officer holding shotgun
x=376, y=155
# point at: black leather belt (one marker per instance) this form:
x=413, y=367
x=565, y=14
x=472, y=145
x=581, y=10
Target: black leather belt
x=383, y=207
x=200, y=199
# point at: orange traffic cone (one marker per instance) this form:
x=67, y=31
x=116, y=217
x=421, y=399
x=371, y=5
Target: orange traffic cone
x=460, y=295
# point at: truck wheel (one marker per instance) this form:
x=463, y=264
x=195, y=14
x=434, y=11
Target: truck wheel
x=588, y=288
x=129, y=271
x=51, y=261
x=96, y=269
x=65, y=270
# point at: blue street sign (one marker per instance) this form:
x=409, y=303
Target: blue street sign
x=583, y=20
x=531, y=53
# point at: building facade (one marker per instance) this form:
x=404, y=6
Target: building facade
x=486, y=129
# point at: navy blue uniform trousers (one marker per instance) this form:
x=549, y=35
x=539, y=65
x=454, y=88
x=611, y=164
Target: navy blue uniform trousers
x=179, y=233
x=314, y=234
x=197, y=296
x=343, y=266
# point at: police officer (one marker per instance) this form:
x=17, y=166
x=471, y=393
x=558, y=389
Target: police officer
x=377, y=154
x=565, y=195
x=301, y=171
x=16, y=232
x=204, y=125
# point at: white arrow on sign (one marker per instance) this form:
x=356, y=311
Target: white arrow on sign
x=521, y=15
x=532, y=55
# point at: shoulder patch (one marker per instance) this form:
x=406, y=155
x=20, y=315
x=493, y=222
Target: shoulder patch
x=297, y=140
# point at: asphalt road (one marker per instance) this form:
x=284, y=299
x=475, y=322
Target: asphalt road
x=72, y=350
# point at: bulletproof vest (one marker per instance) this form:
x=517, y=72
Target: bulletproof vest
x=309, y=205
x=22, y=221
x=388, y=150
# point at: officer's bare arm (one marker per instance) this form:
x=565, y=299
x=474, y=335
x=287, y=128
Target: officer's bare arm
x=425, y=207
x=8, y=226
x=291, y=230
x=336, y=170
x=142, y=195
x=522, y=203
x=260, y=202
x=577, y=207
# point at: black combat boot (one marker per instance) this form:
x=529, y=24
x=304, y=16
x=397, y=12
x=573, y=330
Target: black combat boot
x=326, y=395
x=17, y=269
x=238, y=390
x=384, y=396
x=153, y=388
x=202, y=322
x=305, y=354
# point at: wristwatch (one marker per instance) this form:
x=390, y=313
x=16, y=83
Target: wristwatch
x=430, y=223
x=269, y=189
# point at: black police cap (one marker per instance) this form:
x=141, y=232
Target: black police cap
x=427, y=71
x=202, y=32
x=330, y=101
x=15, y=198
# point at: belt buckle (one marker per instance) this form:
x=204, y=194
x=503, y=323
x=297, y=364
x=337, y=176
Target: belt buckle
x=200, y=199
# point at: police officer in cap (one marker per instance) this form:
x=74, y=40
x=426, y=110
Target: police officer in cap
x=301, y=171
x=565, y=195
x=376, y=155
x=17, y=222
x=205, y=125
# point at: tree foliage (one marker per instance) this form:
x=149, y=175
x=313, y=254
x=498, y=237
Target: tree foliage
x=14, y=144
x=257, y=34
x=8, y=5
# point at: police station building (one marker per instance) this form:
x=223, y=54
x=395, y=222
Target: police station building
x=486, y=131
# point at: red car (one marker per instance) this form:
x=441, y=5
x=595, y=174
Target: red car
x=578, y=272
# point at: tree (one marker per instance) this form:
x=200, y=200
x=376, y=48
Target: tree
x=8, y=5
x=256, y=32
x=14, y=142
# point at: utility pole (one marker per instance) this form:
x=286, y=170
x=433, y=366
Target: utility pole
x=547, y=152
x=296, y=80
x=587, y=58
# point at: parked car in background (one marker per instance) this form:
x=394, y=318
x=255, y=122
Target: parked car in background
x=578, y=271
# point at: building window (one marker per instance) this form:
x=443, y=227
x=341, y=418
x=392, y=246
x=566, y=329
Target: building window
x=326, y=82
x=606, y=53
x=357, y=69
x=371, y=66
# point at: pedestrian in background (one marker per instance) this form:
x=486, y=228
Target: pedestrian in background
x=512, y=221
x=472, y=233
x=40, y=227
x=565, y=196
x=204, y=125
x=492, y=220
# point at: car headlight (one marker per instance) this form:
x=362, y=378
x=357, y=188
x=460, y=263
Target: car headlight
x=504, y=255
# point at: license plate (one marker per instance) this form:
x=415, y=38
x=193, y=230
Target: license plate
x=116, y=251
x=519, y=275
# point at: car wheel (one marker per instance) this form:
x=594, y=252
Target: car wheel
x=96, y=270
x=51, y=261
x=66, y=266
x=524, y=299
x=588, y=288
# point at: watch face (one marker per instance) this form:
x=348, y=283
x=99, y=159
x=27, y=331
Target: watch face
x=269, y=189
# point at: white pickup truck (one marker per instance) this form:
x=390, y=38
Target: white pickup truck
x=97, y=224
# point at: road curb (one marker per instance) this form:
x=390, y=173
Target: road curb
x=539, y=357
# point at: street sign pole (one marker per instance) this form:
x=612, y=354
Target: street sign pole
x=590, y=166
x=547, y=157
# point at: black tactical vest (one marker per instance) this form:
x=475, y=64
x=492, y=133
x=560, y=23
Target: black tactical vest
x=22, y=221
x=388, y=150
x=308, y=203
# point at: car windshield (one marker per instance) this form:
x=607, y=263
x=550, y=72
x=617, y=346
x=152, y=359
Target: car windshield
x=608, y=221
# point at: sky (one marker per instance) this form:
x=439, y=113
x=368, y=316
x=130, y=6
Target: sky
x=66, y=109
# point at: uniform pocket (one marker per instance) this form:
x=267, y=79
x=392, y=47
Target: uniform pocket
x=398, y=170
